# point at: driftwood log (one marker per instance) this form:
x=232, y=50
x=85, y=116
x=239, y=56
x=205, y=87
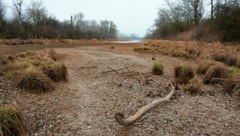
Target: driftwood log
x=132, y=119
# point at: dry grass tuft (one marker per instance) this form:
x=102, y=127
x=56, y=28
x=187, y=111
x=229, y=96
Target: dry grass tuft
x=193, y=51
x=183, y=54
x=193, y=87
x=11, y=121
x=219, y=56
x=31, y=79
x=10, y=58
x=183, y=74
x=230, y=86
x=238, y=63
x=20, y=55
x=52, y=54
x=157, y=68
x=231, y=60
x=54, y=70
x=204, y=66
x=215, y=74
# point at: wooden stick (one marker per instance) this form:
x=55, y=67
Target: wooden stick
x=132, y=119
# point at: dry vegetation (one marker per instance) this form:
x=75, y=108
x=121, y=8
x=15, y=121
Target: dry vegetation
x=131, y=77
x=11, y=121
x=34, y=70
x=183, y=74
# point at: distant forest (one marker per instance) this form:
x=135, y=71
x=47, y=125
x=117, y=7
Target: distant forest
x=189, y=19
x=33, y=21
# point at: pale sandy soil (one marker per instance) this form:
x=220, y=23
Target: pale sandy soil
x=86, y=104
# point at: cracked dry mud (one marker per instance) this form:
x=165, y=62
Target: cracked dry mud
x=86, y=104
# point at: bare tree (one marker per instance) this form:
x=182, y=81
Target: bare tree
x=18, y=8
x=2, y=11
x=36, y=15
x=194, y=10
x=2, y=21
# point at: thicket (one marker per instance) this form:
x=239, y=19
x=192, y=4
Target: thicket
x=33, y=21
x=191, y=19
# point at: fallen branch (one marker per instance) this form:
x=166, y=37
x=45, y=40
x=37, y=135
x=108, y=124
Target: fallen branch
x=116, y=70
x=132, y=119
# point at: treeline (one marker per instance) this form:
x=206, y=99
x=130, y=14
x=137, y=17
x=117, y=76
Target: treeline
x=221, y=22
x=33, y=21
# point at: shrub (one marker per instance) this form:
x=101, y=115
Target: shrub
x=31, y=79
x=11, y=121
x=183, y=74
x=112, y=47
x=203, y=67
x=54, y=70
x=193, y=86
x=157, y=68
x=21, y=55
x=215, y=74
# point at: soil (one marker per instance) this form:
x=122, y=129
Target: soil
x=86, y=104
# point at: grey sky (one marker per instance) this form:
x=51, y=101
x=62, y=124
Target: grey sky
x=131, y=16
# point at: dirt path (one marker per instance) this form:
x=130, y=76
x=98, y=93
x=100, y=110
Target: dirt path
x=87, y=103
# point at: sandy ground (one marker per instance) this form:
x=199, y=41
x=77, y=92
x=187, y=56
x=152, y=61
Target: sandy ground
x=86, y=104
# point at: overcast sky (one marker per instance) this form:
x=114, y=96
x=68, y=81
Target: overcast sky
x=130, y=16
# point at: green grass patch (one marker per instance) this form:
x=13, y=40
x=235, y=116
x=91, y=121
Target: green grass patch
x=235, y=72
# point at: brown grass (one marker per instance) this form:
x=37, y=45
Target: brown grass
x=32, y=79
x=183, y=74
x=193, y=51
x=230, y=86
x=231, y=60
x=33, y=70
x=238, y=63
x=183, y=54
x=215, y=74
x=204, y=66
x=54, y=70
x=11, y=121
x=52, y=54
x=193, y=87
x=222, y=57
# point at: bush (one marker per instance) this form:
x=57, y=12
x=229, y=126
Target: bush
x=215, y=74
x=203, y=67
x=54, y=70
x=31, y=79
x=11, y=121
x=183, y=74
x=193, y=86
x=157, y=68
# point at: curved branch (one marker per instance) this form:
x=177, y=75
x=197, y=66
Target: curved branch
x=132, y=119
